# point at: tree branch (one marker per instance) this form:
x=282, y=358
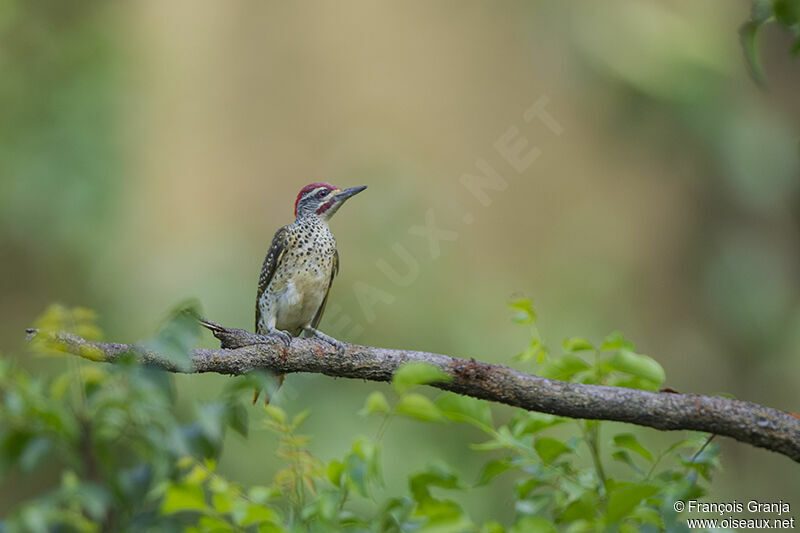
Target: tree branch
x=242, y=351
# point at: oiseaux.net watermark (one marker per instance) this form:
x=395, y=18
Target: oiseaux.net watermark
x=512, y=154
x=752, y=514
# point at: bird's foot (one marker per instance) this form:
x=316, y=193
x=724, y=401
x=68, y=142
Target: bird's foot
x=284, y=337
x=338, y=345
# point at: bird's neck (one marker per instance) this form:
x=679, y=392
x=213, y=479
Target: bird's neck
x=312, y=220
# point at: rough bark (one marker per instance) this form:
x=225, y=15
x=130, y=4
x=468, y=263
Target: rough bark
x=242, y=351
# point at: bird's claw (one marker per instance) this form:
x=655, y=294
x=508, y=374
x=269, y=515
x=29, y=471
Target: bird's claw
x=284, y=337
x=338, y=346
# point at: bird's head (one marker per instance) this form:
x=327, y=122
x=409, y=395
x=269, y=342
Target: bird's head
x=322, y=200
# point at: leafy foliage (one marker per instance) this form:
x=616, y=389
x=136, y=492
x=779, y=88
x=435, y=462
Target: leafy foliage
x=110, y=430
x=128, y=462
x=613, y=362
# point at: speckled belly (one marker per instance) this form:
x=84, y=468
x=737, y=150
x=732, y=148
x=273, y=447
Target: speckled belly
x=299, y=300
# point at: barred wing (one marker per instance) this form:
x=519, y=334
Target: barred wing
x=274, y=256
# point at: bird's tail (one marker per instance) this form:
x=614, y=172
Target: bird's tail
x=257, y=392
x=213, y=326
x=216, y=328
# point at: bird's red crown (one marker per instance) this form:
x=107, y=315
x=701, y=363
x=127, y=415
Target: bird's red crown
x=308, y=188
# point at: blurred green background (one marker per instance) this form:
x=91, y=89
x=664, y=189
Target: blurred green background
x=149, y=150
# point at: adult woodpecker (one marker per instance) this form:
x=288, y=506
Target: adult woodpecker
x=299, y=268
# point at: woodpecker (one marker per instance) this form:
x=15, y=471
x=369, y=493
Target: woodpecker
x=299, y=268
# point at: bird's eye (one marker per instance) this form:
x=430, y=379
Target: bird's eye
x=322, y=193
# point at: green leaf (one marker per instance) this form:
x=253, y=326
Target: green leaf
x=536, y=351
x=211, y=524
x=524, y=487
x=576, y=344
x=492, y=527
x=628, y=440
x=443, y=516
x=254, y=379
x=212, y=417
x=637, y=365
x=219, y=485
x=704, y=462
x=257, y=513
x=489, y=445
x=196, y=475
x=259, y=493
x=615, y=340
x=270, y=527
x=95, y=500
x=327, y=506
x=237, y=418
x=183, y=497
x=357, y=473
x=684, y=443
x=492, y=469
x=465, y=409
x=362, y=464
x=528, y=423
x=376, y=403
x=364, y=448
x=762, y=10
x=648, y=515
x=276, y=413
x=624, y=457
x=549, y=448
x=180, y=334
x=787, y=12
x=34, y=452
x=748, y=38
x=335, y=471
x=12, y=445
x=185, y=462
x=584, y=508
x=634, y=382
x=564, y=368
x=437, y=475
x=623, y=500
x=299, y=418
x=418, y=406
x=525, y=313
x=33, y=518
x=78, y=320
x=222, y=502
x=416, y=373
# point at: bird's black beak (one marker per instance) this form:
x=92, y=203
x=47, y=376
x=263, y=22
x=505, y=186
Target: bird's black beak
x=347, y=193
